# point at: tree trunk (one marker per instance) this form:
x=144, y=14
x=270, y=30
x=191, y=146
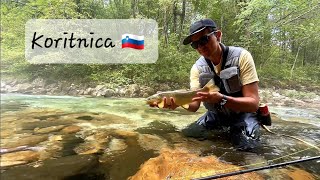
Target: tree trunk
x=175, y=14
x=134, y=7
x=221, y=23
x=304, y=55
x=294, y=63
x=182, y=20
x=317, y=55
x=183, y=15
x=165, y=27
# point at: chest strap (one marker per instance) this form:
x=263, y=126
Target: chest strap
x=217, y=79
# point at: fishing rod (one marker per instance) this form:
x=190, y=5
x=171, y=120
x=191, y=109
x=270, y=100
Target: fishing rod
x=256, y=169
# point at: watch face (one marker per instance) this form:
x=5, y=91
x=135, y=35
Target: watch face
x=223, y=101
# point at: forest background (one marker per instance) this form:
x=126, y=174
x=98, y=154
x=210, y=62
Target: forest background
x=282, y=35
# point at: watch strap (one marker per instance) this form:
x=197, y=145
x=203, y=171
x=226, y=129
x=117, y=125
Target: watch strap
x=224, y=100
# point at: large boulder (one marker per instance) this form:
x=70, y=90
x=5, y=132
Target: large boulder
x=181, y=164
x=24, y=88
x=109, y=93
x=38, y=82
x=88, y=91
x=133, y=90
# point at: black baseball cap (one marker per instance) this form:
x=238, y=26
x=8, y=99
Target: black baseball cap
x=199, y=26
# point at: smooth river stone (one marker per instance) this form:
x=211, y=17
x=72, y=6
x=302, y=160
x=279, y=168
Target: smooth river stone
x=17, y=158
x=71, y=129
x=88, y=148
x=48, y=129
x=117, y=145
x=26, y=141
x=151, y=142
x=124, y=134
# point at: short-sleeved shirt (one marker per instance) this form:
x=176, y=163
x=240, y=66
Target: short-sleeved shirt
x=248, y=73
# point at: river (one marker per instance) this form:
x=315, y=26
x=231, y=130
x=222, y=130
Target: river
x=110, y=138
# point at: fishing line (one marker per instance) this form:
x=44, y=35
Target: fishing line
x=268, y=162
x=293, y=137
x=257, y=169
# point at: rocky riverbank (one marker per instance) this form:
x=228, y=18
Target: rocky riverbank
x=39, y=86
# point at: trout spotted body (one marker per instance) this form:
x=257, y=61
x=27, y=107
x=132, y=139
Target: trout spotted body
x=181, y=97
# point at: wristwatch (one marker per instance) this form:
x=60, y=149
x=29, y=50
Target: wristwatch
x=224, y=100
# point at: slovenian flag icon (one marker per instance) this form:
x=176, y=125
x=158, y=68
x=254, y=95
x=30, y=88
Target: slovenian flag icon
x=132, y=41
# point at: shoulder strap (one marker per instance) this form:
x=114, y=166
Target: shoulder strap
x=210, y=65
x=225, y=50
x=216, y=78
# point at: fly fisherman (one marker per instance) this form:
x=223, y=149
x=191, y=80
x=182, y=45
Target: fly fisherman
x=234, y=72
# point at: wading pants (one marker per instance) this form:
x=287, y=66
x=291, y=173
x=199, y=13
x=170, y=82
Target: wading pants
x=244, y=128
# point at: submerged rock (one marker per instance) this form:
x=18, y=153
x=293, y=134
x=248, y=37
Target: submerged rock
x=71, y=129
x=190, y=144
x=117, y=145
x=289, y=172
x=297, y=174
x=96, y=141
x=124, y=134
x=89, y=148
x=180, y=164
x=26, y=141
x=6, y=133
x=48, y=129
x=158, y=127
x=44, y=124
x=102, y=136
x=71, y=167
x=18, y=158
x=151, y=142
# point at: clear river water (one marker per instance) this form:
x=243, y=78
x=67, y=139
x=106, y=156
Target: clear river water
x=62, y=127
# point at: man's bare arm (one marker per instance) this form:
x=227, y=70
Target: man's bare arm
x=249, y=102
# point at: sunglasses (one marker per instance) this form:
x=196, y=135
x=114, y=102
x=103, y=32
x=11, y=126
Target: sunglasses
x=202, y=41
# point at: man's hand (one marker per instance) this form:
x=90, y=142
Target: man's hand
x=209, y=97
x=167, y=103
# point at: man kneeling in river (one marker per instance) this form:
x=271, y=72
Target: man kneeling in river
x=234, y=72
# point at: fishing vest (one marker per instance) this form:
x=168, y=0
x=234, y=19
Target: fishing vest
x=229, y=80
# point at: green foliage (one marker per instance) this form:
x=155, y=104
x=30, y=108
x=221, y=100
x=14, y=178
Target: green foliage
x=171, y=67
x=275, y=74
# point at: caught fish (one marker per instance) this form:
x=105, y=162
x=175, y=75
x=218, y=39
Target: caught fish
x=181, y=97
